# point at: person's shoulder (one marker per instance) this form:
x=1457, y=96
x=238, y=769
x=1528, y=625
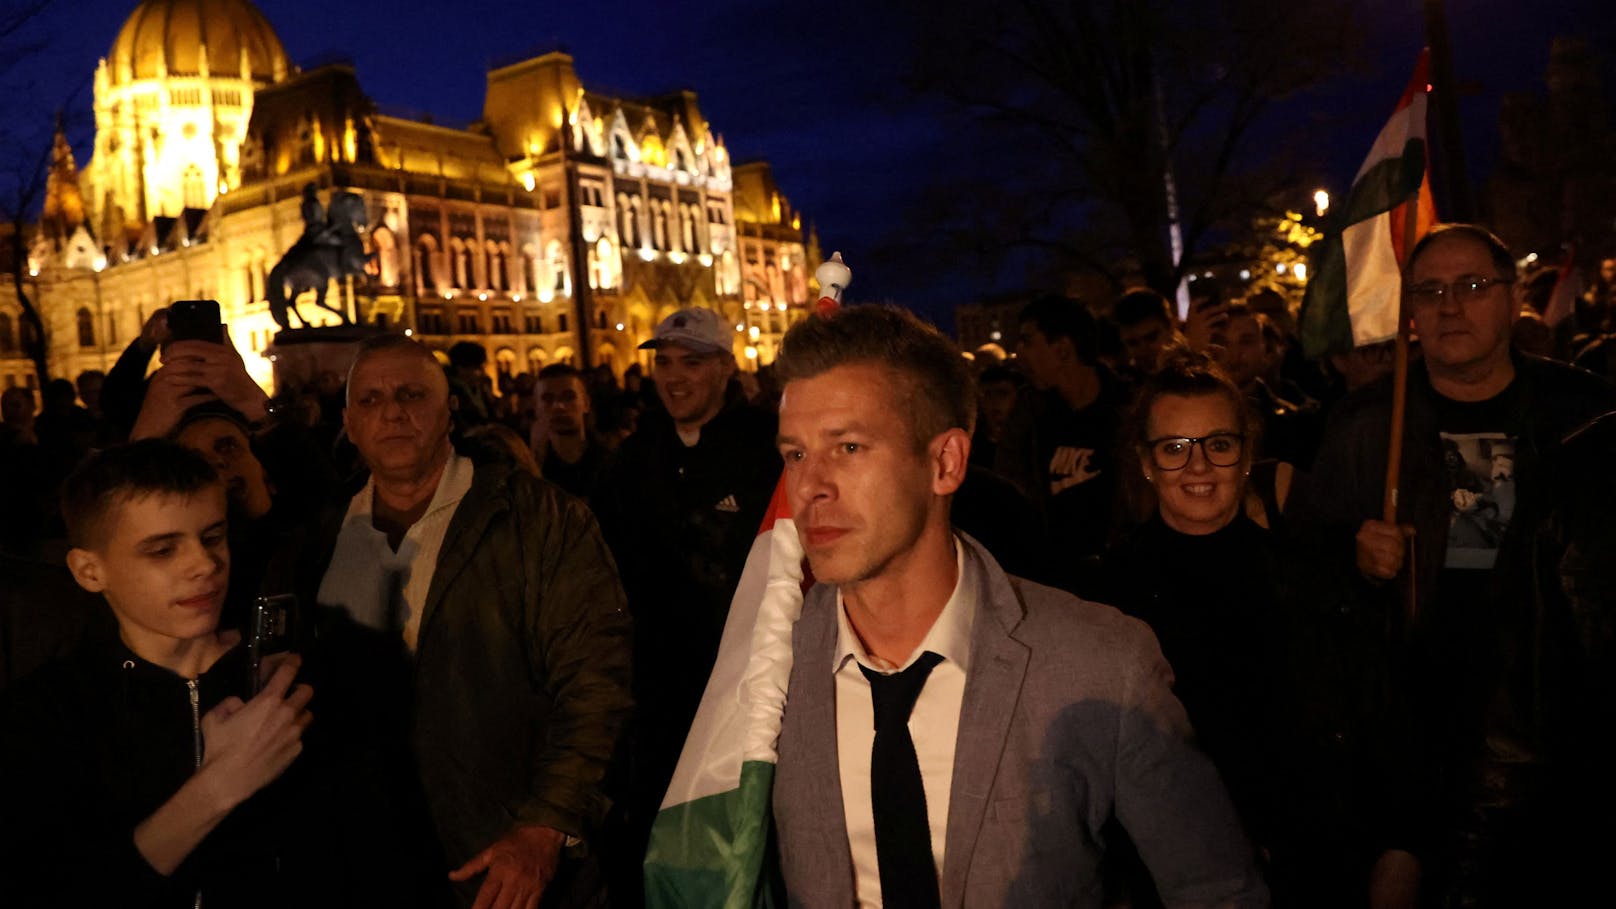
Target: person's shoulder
x=526, y=492
x=1552, y=377
x=747, y=422
x=52, y=695
x=1075, y=628
x=1373, y=399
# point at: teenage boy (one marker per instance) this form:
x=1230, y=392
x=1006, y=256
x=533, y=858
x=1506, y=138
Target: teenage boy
x=139, y=771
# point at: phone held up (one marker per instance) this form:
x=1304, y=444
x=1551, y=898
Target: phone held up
x=195, y=320
x=272, y=630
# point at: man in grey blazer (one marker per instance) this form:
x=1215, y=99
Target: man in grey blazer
x=1038, y=716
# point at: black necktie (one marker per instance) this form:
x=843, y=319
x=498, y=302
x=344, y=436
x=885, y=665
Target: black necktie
x=897, y=795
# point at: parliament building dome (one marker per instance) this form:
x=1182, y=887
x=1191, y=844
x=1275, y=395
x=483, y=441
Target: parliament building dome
x=174, y=37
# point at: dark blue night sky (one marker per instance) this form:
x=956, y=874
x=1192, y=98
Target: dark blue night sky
x=815, y=88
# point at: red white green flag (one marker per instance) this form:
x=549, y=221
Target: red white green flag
x=1355, y=294
x=710, y=840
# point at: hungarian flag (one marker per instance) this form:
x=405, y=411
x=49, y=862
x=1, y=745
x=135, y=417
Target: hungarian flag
x=1356, y=291
x=1567, y=290
x=710, y=841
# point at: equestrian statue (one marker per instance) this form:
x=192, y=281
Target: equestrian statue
x=329, y=248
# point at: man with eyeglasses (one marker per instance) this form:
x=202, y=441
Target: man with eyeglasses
x=1481, y=652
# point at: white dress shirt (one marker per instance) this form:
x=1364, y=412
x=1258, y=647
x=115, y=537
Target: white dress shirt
x=933, y=724
x=366, y=573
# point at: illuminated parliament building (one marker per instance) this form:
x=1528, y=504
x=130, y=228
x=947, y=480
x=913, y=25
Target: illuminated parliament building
x=560, y=228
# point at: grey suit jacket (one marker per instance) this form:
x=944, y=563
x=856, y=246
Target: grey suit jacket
x=1068, y=718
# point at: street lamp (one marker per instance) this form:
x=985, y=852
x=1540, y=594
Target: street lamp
x=1321, y=201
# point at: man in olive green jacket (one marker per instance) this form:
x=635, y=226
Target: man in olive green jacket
x=509, y=602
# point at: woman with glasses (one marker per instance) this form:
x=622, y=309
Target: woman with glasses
x=1203, y=574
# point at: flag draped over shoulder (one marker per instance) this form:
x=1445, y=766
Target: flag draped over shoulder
x=710, y=841
x=1355, y=294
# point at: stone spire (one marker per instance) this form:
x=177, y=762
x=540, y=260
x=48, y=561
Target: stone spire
x=64, y=206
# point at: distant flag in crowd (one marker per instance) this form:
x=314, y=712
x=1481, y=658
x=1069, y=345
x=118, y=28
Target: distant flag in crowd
x=1567, y=290
x=1355, y=294
x=710, y=841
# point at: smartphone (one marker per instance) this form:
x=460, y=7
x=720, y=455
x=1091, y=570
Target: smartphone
x=195, y=320
x=272, y=630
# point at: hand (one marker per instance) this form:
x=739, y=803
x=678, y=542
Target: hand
x=1205, y=323
x=520, y=865
x=219, y=369
x=154, y=333
x=1394, y=883
x=249, y=744
x=1381, y=547
x=173, y=389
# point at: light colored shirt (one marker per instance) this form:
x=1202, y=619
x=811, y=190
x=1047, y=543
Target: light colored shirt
x=933, y=724
x=377, y=585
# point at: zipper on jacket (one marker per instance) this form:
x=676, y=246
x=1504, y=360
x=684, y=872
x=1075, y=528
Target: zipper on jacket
x=196, y=744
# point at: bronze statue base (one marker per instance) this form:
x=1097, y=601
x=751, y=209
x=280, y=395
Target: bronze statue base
x=309, y=356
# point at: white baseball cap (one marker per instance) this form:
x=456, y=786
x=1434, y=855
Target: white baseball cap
x=698, y=329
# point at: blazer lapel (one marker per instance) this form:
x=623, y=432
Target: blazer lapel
x=998, y=667
x=817, y=701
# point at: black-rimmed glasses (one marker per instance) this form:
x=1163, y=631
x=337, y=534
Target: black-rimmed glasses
x=1221, y=449
x=1464, y=289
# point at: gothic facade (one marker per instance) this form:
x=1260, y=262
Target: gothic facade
x=559, y=228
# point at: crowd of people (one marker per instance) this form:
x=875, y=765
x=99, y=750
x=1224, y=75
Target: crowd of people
x=509, y=593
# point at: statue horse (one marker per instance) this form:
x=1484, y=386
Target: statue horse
x=312, y=262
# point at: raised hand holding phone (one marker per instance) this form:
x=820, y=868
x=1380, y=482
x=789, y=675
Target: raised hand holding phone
x=1208, y=316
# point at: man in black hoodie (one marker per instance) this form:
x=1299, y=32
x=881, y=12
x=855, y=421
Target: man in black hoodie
x=680, y=504
x=142, y=759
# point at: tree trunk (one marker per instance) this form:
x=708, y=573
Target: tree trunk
x=32, y=329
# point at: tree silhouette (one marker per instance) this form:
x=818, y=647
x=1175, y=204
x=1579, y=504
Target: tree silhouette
x=1129, y=134
x=25, y=149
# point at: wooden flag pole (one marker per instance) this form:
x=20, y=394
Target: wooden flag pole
x=1394, y=445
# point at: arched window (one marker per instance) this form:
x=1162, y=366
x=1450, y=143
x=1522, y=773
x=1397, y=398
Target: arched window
x=195, y=193
x=462, y=263
x=257, y=277
x=530, y=256
x=505, y=361
x=535, y=359
x=688, y=213
x=659, y=224
x=558, y=268
x=728, y=274
x=601, y=270
x=496, y=268
x=386, y=256
x=625, y=210
x=426, y=267
x=8, y=334
x=86, y=328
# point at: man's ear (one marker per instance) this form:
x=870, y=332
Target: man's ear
x=950, y=458
x=87, y=569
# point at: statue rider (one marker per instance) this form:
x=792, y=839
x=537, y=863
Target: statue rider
x=315, y=227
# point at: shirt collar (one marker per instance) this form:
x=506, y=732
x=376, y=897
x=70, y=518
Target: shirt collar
x=453, y=485
x=949, y=636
